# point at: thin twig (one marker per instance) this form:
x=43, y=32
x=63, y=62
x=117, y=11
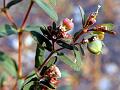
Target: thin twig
x=4, y=2
x=46, y=61
x=9, y=17
x=81, y=33
x=20, y=41
x=27, y=14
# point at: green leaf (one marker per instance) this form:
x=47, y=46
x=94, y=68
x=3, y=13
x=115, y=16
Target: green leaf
x=46, y=33
x=52, y=61
x=109, y=26
x=78, y=59
x=54, y=26
x=52, y=2
x=75, y=64
x=64, y=44
x=8, y=64
x=82, y=15
x=82, y=50
x=6, y=30
x=3, y=77
x=42, y=40
x=13, y=2
x=47, y=8
x=30, y=28
x=39, y=58
x=20, y=83
x=47, y=84
x=31, y=78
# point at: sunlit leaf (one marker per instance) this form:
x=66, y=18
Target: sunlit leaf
x=6, y=30
x=20, y=83
x=47, y=8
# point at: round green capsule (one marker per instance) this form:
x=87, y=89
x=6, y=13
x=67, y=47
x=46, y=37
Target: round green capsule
x=95, y=46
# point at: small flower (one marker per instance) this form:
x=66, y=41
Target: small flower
x=53, y=71
x=67, y=24
x=66, y=35
x=54, y=81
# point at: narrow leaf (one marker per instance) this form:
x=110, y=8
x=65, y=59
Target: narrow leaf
x=13, y=2
x=82, y=15
x=76, y=35
x=47, y=8
x=31, y=78
x=42, y=40
x=52, y=61
x=39, y=58
x=82, y=50
x=109, y=26
x=6, y=30
x=64, y=44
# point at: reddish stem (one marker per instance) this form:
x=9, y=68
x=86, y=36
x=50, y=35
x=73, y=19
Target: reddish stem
x=20, y=54
x=46, y=61
x=20, y=41
x=9, y=17
x=26, y=16
x=81, y=33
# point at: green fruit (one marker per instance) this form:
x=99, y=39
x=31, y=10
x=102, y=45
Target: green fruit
x=95, y=46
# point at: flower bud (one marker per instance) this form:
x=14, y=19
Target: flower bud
x=91, y=20
x=95, y=46
x=67, y=24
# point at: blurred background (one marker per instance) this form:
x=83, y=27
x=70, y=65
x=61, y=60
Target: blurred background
x=100, y=72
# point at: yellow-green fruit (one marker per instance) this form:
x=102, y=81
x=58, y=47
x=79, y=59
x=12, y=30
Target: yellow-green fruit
x=100, y=35
x=95, y=46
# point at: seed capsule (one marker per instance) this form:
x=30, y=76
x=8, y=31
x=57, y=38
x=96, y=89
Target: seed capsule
x=95, y=46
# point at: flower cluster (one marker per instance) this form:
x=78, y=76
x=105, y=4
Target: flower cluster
x=50, y=77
